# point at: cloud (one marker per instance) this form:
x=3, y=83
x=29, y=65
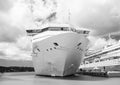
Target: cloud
x=12, y=51
x=12, y=34
x=101, y=16
x=100, y=43
x=11, y=21
x=9, y=33
x=27, y=45
x=5, y=5
x=92, y=40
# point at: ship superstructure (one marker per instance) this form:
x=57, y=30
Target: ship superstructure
x=57, y=50
x=106, y=59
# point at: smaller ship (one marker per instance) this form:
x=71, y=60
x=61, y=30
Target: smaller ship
x=106, y=59
x=57, y=50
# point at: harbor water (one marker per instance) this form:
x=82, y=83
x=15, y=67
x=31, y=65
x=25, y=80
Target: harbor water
x=31, y=79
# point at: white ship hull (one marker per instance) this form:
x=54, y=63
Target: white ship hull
x=58, y=54
x=108, y=65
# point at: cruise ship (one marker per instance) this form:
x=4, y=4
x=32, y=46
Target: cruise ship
x=57, y=50
x=106, y=59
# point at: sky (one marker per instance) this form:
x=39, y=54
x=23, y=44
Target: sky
x=100, y=16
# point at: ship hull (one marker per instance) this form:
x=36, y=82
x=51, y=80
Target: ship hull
x=107, y=65
x=58, y=55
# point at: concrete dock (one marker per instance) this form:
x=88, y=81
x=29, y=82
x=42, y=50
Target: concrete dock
x=101, y=74
x=31, y=79
x=113, y=74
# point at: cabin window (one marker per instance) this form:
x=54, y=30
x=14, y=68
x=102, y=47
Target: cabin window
x=66, y=29
x=86, y=62
x=90, y=61
x=54, y=47
x=72, y=29
x=87, y=32
x=84, y=32
x=29, y=31
x=111, y=58
x=38, y=49
x=45, y=29
x=115, y=57
x=56, y=44
x=62, y=28
x=97, y=61
x=79, y=44
x=53, y=29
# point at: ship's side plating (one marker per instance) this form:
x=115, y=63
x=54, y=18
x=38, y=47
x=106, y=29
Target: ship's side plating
x=58, y=55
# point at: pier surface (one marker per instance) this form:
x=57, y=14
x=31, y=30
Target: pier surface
x=31, y=79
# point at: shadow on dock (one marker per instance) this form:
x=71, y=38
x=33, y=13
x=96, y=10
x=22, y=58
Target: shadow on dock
x=77, y=77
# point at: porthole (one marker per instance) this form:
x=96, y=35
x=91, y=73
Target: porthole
x=81, y=49
x=38, y=49
x=54, y=47
x=84, y=32
x=56, y=44
x=62, y=29
x=79, y=44
x=77, y=47
x=50, y=48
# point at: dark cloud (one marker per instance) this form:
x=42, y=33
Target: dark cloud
x=115, y=36
x=103, y=18
x=5, y=5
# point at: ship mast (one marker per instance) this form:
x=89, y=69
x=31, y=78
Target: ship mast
x=69, y=14
x=109, y=38
x=69, y=19
x=31, y=6
x=32, y=11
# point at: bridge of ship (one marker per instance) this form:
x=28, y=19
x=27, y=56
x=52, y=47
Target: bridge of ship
x=36, y=31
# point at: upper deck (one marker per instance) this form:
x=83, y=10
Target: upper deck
x=105, y=50
x=32, y=32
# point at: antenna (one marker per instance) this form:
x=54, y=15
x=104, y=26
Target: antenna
x=69, y=18
x=31, y=9
x=69, y=14
x=109, y=36
x=31, y=6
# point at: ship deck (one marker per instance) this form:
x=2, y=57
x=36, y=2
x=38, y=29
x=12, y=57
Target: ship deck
x=30, y=79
